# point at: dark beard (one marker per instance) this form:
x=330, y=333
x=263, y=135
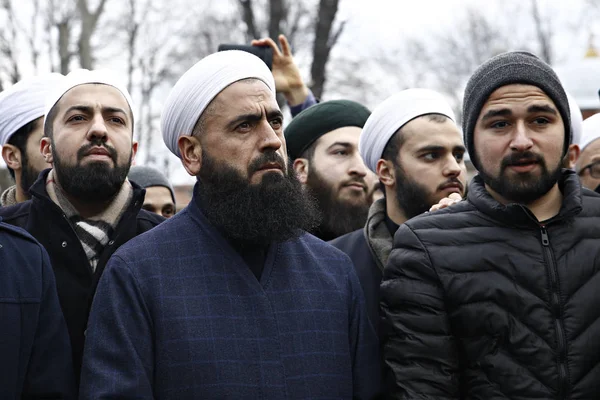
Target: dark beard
x=413, y=198
x=338, y=217
x=94, y=182
x=274, y=210
x=28, y=174
x=524, y=188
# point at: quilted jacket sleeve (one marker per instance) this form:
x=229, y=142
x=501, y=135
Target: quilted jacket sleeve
x=420, y=356
x=118, y=356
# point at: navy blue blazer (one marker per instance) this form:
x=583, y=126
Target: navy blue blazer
x=179, y=315
x=35, y=354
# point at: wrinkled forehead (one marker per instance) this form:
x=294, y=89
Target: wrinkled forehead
x=245, y=92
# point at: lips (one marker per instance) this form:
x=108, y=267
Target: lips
x=99, y=151
x=452, y=185
x=269, y=166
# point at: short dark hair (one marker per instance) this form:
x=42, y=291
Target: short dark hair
x=393, y=146
x=50, y=120
x=309, y=152
x=19, y=140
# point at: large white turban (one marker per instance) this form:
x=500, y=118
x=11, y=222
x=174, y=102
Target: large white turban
x=83, y=77
x=24, y=102
x=576, y=120
x=201, y=84
x=394, y=113
x=591, y=131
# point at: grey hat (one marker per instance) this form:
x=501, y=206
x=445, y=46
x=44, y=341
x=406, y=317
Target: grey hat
x=148, y=176
x=506, y=69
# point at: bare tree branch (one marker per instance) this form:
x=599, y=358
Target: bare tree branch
x=544, y=36
x=277, y=15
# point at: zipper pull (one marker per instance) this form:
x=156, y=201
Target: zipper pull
x=545, y=239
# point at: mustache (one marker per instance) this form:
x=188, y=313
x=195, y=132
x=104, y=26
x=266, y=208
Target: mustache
x=452, y=181
x=358, y=180
x=270, y=157
x=525, y=157
x=83, y=151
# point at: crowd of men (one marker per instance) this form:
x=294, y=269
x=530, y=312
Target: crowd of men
x=343, y=256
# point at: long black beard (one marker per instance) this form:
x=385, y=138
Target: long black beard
x=338, y=217
x=526, y=188
x=94, y=182
x=275, y=210
x=413, y=198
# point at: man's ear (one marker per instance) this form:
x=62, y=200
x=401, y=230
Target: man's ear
x=572, y=156
x=12, y=156
x=134, y=149
x=386, y=173
x=46, y=149
x=191, y=154
x=301, y=166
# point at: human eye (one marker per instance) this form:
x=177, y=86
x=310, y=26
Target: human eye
x=340, y=151
x=541, y=121
x=499, y=125
x=243, y=127
x=117, y=120
x=276, y=123
x=459, y=156
x=76, y=118
x=431, y=156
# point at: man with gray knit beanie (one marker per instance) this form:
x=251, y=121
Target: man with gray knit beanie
x=495, y=297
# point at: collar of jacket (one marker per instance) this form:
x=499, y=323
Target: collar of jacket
x=38, y=190
x=519, y=215
x=377, y=233
x=9, y=197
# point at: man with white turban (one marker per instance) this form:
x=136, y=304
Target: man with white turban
x=414, y=146
x=230, y=298
x=588, y=163
x=84, y=208
x=21, y=129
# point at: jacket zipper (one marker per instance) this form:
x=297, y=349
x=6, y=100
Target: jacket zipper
x=556, y=308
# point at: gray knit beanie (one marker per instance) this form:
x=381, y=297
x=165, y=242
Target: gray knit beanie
x=506, y=69
x=148, y=176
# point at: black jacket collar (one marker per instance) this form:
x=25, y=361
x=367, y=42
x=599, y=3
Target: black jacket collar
x=515, y=214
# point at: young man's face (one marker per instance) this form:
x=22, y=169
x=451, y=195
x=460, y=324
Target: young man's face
x=430, y=164
x=158, y=200
x=519, y=140
x=91, y=146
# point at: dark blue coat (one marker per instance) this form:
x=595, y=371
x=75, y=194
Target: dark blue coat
x=179, y=315
x=35, y=355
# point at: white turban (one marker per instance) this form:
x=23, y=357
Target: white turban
x=24, y=102
x=591, y=131
x=394, y=113
x=201, y=84
x=576, y=120
x=83, y=77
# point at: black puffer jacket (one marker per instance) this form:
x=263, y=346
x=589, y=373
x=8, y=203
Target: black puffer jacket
x=481, y=301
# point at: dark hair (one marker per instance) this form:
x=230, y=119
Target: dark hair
x=50, y=121
x=19, y=140
x=393, y=146
x=309, y=152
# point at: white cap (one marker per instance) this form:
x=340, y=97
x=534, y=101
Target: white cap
x=24, y=102
x=591, y=131
x=576, y=120
x=394, y=113
x=194, y=91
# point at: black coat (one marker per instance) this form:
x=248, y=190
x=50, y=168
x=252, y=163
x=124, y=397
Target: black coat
x=482, y=301
x=354, y=244
x=75, y=281
x=35, y=359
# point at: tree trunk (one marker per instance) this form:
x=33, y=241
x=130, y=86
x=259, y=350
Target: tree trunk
x=248, y=17
x=277, y=14
x=543, y=35
x=89, y=20
x=323, y=44
x=63, y=46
